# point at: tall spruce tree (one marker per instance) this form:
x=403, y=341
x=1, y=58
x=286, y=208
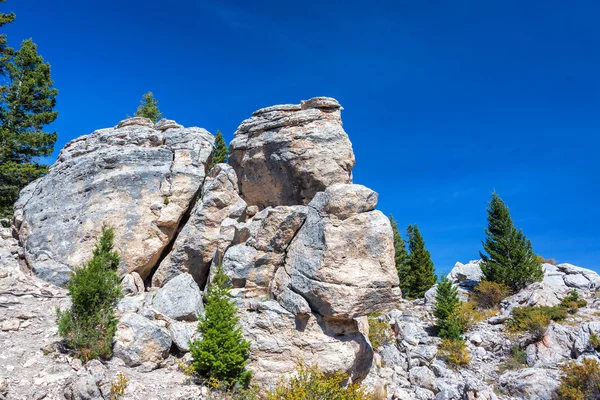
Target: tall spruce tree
x=401, y=257
x=420, y=265
x=510, y=259
x=27, y=104
x=5, y=50
x=221, y=152
x=222, y=353
x=148, y=108
x=89, y=326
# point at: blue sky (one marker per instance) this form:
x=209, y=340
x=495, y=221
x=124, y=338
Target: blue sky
x=444, y=101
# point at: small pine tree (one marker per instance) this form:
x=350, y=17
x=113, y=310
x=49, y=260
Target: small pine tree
x=148, y=108
x=5, y=50
x=88, y=327
x=221, y=152
x=419, y=263
x=401, y=257
x=510, y=259
x=446, y=305
x=222, y=353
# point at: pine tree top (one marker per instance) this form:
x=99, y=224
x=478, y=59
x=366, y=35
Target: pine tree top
x=221, y=151
x=148, y=108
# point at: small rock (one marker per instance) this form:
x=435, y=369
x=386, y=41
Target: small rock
x=10, y=325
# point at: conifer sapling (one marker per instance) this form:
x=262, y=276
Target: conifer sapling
x=221, y=152
x=420, y=264
x=400, y=257
x=148, y=108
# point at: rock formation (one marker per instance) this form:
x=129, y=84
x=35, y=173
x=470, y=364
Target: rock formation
x=138, y=177
x=285, y=154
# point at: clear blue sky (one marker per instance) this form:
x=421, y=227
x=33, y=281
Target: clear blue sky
x=445, y=101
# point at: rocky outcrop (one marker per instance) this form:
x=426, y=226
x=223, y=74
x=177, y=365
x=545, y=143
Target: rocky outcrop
x=285, y=154
x=210, y=228
x=138, y=178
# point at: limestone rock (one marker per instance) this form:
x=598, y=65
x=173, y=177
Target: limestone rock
x=182, y=332
x=530, y=383
x=284, y=155
x=205, y=233
x=137, y=179
x=139, y=340
x=179, y=299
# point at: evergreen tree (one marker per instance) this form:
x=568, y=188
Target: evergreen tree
x=222, y=353
x=400, y=257
x=446, y=304
x=88, y=327
x=420, y=265
x=148, y=108
x=221, y=152
x=5, y=50
x=27, y=103
x=510, y=259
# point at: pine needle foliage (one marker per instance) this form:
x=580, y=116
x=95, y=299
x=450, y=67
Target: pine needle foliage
x=222, y=353
x=510, y=259
x=401, y=257
x=420, y=265
x=148, y=108
x=221, y=152
x=27, y=100
x=447, y=303
x=88, y=327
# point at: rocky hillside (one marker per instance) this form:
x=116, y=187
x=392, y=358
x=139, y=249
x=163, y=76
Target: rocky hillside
x=309, y=257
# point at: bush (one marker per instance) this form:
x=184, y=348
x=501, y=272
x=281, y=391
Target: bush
x=379, y=332
x=516, y=360
x=89, y=326
x=118, y=386
x=546, y=260
x=466, y=315
x=222, y=353
x=312, y=383
x=595, y=341
x=489, y=294
x=534, y=320
x=573, y=302
x=454, y=352
x=580, y=381
x=446, y=303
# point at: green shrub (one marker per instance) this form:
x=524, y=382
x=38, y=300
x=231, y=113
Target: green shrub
x=534, y=320
x=222, y=353
x=488, y=294
x=88, y=327
x=573, y=302
x=546, y=260
x=516, y=360
x=454, y=352
x=580, y=381
x=312, y=383
x=595, y=341
x=379, y=332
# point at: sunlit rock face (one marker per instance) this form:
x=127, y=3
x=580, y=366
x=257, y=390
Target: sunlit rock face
x=138, y=178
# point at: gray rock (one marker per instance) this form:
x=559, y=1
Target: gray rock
x=136, y=179
x=530, y=383
x=344, y=201
x=85, y=388
x=179, y=299
x=182, y=332
x=284, y=155
x=140, y=340
x=422, y=377
x=206, y=232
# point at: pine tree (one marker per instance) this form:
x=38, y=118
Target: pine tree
x=27, y=103
x=221, y=152
x=446, y=304
x=420, y=265
x=5, y=50
x=88, y=327
x=222, y=353
x=148, y=108
x=510, y=259
x=400, y=257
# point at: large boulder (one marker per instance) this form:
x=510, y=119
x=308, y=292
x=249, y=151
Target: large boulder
x=285, y=154
x=210, y=228
x=180, y=299
x=138, y=178
x=530, y=383
x=139, y=340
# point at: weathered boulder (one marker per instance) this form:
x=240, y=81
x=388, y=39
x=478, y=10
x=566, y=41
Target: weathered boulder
x=211, y=228
x=285, y=154
x=555, y=346
x=342, y=262
x=137, y=179
x=279, y=340
x=139, y=340
x=179, y=299
x=530, y=383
